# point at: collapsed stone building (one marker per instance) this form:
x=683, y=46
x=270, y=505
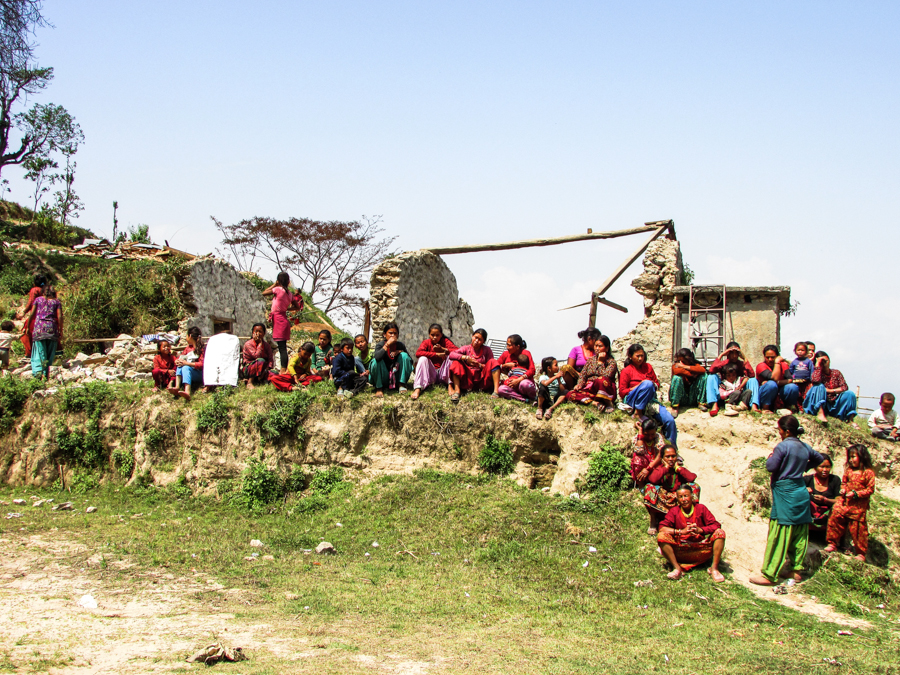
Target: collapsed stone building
x=218, y=299
x=417, y=288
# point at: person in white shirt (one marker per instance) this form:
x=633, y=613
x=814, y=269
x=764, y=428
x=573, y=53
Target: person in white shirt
x=6, y=338
x=883, y=422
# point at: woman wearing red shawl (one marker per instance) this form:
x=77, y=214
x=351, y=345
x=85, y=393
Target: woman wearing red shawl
x=257, y=357
x=517, y=388
x=663, y=483
x=690, y=535
x=39, y=282
x=647, y=452
x=474, y=368
x=596, y=384
x=432, y=360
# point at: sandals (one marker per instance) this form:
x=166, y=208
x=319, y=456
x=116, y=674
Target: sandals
x=454, y=398
x=539, y=415
x=548, y=415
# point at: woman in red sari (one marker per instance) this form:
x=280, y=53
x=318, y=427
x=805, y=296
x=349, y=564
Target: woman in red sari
x=596, y=383
x=690, y=535
x=39, y=282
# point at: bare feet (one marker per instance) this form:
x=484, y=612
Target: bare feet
x=379, y=393
x=652, y=531
x=415, y=394
x=716, y=575
x=250, y=385
x=831, y=548
x=675, y=575
x=674, y=411
x=860, y=557
x=760, y=580
x=184, y=394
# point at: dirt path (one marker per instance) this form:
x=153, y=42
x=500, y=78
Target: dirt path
x=719, y=450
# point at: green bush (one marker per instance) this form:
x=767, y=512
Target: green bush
x=180, y=487
x=285, y=416
x=323, y=482
x=607, y=473
x=213, y=414
x=260, y=485
x=496, y=457
x=86, y=449
x=14, y=392
x=88, y=398
x=84, y=482
x=123, y=459
x=155, y=439
x=297, y=481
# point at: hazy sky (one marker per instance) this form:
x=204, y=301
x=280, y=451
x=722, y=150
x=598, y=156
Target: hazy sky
x=767, y=131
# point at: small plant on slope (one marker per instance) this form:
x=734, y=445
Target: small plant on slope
x=496, y=457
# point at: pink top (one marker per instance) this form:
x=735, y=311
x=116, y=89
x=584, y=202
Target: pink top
x=577, y=353
x=282, y=300
x=467, y=350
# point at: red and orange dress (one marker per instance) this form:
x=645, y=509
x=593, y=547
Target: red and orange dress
x=850, y=510
x=691, y=549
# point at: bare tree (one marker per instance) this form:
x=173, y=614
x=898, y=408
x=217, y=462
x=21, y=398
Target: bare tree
x=18, y=19
x=331, y=260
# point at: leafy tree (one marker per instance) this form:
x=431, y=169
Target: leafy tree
x=67, y=204
x=331, y=260
x=38, y=170
x=136, y=235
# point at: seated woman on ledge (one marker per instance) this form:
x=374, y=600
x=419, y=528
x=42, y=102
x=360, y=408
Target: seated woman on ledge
x=775, y=381
x=391, y=364
x=688, y=386
x=189, y=366
x=433, y=364
x=256, y=358
x=663, y=482
x=579, y=356
x=824, y=488
x=732, y=354
x=596, y=384
x=646, y=452
x=473, y=368
x=637, y=386
x=829, y=393
x=519, y=387
x=690, y=535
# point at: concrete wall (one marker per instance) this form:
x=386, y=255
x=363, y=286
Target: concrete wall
x=753, y=323
x=417, y=289
x=212, y=290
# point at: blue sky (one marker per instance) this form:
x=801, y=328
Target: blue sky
x=767, y=131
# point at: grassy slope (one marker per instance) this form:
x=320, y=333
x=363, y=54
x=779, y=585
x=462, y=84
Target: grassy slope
x=480, y=572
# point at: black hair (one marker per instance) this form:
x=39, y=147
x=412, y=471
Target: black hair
x=589, y=333
x=810, y=342
x=40, y=280
x=730, y=369
x=327, y=333
x=668, y=446
x=388, y=326
x=790, y=425
x=49, y=292
x=826, y=458
x=283, y=279
x=685, y=486
x=805, y=345
x=7, y=325
x=820, y=353
x=482, y=332
x=649, y=424
x=517, y=340
x=522, y=359
x=886, y=396
x=632, y=350
x=771, y=348
x=732, y=344
x=687, y=355
x=261, y=325
x=436, y=326
x=346, y=342
x=547, y=364
x=308, y=347
x=606, y=343
x=160, y=344
x=195, y=333
x=865, y=459
x=360, y=335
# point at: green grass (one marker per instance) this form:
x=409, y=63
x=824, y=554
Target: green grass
x=479, y=571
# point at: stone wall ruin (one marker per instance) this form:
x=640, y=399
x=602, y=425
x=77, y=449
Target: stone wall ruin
x=416, y=289
x=215, y=295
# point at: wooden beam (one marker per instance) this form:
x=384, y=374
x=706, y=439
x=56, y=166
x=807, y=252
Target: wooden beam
x=602, y=301
x=542, y=242
x=634, y=256
x=592, y=317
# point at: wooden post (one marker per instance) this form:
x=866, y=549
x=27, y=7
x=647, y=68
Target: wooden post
x=592, y=320
x=367, y=320
x=634, y=256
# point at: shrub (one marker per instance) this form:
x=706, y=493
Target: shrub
x=285, y=416
x=88, y=398
x=213, y=413
x=123, y=459
x=260, y=485
x=496, y=457
x=180, y=487
x=86, y=448
x=14, y=392
x=297, y=481
x=155, y=439
x=607, y=473
x=324, y=482
x=84, y=482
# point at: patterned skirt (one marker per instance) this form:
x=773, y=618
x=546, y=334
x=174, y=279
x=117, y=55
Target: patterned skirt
x=691, y=553
x=656, y=497
x=599, y=389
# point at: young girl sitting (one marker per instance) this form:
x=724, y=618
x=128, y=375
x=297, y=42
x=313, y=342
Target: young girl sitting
x=733, y=390
x=189, y=366
x=688, y=382
x=637, y=386
x=551, y=388
x=852, y=505
x=646, y=452
x=163, y=364
x=324, y=354
x=300, y=366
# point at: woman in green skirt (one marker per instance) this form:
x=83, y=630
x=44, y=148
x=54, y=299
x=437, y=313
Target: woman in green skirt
x=791, y=514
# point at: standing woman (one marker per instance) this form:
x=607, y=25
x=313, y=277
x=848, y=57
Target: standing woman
x=433, y=360
x=281, y=303
x=517, y=388
x=46, y=334
x=580, y=355
x=37, y=290
x=791, y=514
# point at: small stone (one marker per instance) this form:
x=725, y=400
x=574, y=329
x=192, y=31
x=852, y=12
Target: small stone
x=65, y=506
x=91, y=509
x=256, y=543
x=325, y=548
x=268, y=557
x=375, y=544
x=19, y=502
x=291, y=596
x=39, y=502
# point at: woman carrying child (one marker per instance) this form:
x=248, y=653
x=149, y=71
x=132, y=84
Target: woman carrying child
x=662, y=484
x=433, y=363
x=637, y=386
x=473, y=368
x=282, y=301
x=551, y=388
x=734, y=391
x=163, y=365
x=580, y=355
x=824, y=488
x=732, y=354
x=596, y=383
x=519, y=386
x=189, y=366
x=646, y=452
x=852, y=505
x=775, y=381
x=46, y=334
x=392, y=364
x=688, y=386
x=257, y=358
